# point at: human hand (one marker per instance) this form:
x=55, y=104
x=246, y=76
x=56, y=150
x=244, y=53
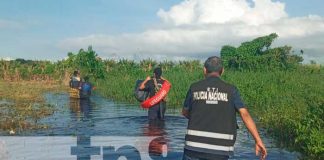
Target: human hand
x=148, y=78
x=260, y=148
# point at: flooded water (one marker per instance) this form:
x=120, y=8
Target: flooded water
x=98, y=118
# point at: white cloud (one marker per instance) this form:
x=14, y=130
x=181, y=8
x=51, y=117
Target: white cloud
x=197, y=28
x=223, y=11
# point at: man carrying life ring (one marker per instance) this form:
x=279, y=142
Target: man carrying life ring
x=153, y=85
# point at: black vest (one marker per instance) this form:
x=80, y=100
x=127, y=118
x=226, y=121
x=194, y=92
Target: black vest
x=212, y=122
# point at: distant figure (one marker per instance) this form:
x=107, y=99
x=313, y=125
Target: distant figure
x=75, y=80
x=211, y=105
x=85, y=88
x=153, y=85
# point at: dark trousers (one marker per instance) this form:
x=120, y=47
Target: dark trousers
x=157, y=111
x=191, y=155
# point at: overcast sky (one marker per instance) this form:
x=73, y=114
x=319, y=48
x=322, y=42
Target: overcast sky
x=158, y=29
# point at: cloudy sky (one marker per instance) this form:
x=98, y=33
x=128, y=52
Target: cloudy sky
x=158, y=29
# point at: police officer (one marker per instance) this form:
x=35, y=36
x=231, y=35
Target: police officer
x=152, y=85
x=211, y=105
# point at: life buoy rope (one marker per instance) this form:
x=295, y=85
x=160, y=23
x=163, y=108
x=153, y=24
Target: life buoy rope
x=159, y=96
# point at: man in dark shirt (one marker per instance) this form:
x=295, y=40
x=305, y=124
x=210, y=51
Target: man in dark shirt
x=153, y=85
x=211, y=105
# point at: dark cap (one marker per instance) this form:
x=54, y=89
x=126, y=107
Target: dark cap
x=158, y=72
x=213, y=64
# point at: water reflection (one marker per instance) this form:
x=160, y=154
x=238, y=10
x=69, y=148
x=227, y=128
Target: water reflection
x=99, y=116
x=158, y=147
x=81, y=108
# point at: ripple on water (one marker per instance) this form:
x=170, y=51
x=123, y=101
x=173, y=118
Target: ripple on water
x=103, y=117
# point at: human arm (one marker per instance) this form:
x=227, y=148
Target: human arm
x=80, y=85
x=142, y=86
x=250, y=125
x=163, y=78
x=187, y=105
x=185, y=113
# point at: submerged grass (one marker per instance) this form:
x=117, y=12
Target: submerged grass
x=22, y=104
x=27, y=90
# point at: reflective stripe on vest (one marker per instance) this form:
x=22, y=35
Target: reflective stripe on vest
x=210, y=146
x=210, y=134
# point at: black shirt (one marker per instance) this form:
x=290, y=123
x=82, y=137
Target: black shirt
x=150, y=87
x=238, y=103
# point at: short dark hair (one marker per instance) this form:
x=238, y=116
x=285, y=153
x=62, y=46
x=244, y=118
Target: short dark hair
x=86, y=78
x=158, y=72
x=75, y=73
x=213, y=64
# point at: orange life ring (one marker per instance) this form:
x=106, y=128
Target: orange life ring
x=162, y=93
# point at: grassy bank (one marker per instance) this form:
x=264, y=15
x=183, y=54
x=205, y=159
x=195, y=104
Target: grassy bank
x=288, y=103
x=22, y=104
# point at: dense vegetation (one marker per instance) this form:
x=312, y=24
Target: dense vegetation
x=284, y=95
x=258, y=54
x=86, y=62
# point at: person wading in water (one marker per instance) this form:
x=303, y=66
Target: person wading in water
x=75, y=80
x=211, y=106
x=153, y=85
